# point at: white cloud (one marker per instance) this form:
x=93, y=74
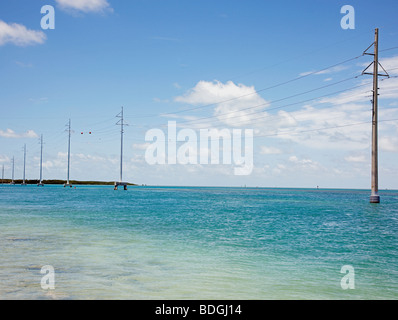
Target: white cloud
x=19, y=35
x=360, y=94
x=88, y=157
x=234, y=103
x=30, y=134
x=326, y=71
x=141, y=146
x=390, y=65
x=338, y=123
x=4, y=159
x=278, y=169
x=321, y=128
x=12, y=134
x=388, y=86
x=156, y=99
x=85, y=5
x=389, y=144
x=358, y=158
x=48, y=164
x=77, y=158
x=304, y=162
x=269, y=150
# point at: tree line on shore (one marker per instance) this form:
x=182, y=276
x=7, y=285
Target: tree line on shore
x=55, y=181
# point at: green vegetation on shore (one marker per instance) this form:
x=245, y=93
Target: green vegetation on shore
x=73, y=182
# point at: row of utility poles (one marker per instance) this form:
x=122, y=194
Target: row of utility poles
x=40, y=183
x=121, y=122
x=374, y=197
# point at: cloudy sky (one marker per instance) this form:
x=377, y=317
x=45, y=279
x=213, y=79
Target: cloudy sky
x=286, y=70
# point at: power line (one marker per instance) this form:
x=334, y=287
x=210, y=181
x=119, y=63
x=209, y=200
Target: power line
x=306, y=54
x=254, y=92
x=325, y=128
x=388, y=49
x=307, y=130
x=278, y=107
x=272, y=116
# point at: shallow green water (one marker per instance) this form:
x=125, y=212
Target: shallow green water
x=196, y=243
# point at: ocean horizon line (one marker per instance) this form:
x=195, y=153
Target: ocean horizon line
x=7, y=182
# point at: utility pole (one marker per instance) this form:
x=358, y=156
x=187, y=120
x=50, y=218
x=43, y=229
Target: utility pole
x=12, y=177
x=67, y=184
x=121, y=124
x=24, y=165
x=41, y=162
x=374, y=196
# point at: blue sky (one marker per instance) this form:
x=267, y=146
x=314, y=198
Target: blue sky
x=191, y=62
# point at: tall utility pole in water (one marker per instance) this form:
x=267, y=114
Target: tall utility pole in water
x=67, y=184
x=12, y=177
x=374, y=196
x=41, y=162
x=24, y=164
x=122, y=124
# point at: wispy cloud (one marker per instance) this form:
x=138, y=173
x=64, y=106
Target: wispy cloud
x=358, y=95
x=326, y=71
x=23, y=65
x=96, y=6
x=389, y=144
x=4, y=159
x=304, y=163
x=141, y=146
x=389, y=64
x=270, y=150
x=38, y=100
x=9, y=133
x=356, y=158
x=156, y=99
x=19, y=35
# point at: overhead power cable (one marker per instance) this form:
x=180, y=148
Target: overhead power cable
x=254, y=92
x=278, y=100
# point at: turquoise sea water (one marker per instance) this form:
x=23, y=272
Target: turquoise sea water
x=197, y=243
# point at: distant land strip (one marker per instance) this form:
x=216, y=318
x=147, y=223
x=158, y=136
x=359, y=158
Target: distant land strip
x=73, y=182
